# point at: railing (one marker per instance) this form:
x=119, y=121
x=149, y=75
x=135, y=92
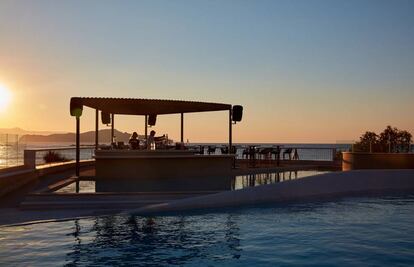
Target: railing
x=272, y=152
x=56, y=155
x=11, y=150
x=382, y=148
x=14, y=153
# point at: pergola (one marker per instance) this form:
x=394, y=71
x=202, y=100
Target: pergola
x=143, y=107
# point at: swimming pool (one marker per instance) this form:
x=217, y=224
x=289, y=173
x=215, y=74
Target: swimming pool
x=353, y=231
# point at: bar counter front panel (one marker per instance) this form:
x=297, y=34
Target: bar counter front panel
x=161, y=170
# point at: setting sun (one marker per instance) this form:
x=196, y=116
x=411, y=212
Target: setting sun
x=5, y=97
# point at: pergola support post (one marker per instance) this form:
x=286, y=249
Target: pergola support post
x=182, y=128
x=230, y=131
x=112, y=128
x=77, y=165
x=96, y=129
x=146, y=127
x=231, y=137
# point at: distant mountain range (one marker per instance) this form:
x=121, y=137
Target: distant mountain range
x=20, y=131
x=86, y=137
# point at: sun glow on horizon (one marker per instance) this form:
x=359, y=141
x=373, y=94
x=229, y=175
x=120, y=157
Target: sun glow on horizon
x=5, y=97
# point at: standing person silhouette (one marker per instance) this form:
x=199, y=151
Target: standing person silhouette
x=152, y=139
x=295, y=154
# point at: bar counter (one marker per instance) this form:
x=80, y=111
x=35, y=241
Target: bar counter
x=161, y=170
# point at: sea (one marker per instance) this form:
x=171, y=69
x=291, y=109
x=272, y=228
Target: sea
x=12, y=151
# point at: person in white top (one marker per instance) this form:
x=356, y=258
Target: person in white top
x=152, y=139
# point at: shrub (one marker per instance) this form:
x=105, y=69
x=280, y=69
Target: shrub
x=53, y=156
x=390, y=140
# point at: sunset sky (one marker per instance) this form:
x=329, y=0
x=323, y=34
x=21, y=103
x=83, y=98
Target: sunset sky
x=305, y=71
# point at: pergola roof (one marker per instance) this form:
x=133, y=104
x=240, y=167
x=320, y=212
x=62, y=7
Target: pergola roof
x=136, y=106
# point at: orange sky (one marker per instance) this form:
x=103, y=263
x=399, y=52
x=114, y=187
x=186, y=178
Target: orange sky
x=34, y=108
x=316, y=78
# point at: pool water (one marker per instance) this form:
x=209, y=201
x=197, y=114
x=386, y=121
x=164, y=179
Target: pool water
x=355, y=231
x=243, y=181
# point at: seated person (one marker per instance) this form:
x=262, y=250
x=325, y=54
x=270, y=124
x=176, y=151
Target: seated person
x=180, y=146
x=133, y=141
x=288, y=151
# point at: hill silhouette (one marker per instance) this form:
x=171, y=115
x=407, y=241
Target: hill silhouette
x=20, y=131
x=86, y=137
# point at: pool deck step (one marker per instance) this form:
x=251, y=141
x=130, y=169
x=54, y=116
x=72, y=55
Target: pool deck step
x=44, y=201
x=41, y=205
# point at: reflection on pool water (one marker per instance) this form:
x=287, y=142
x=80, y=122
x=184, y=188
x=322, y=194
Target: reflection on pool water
x=244, y=181
x=355, y=231
x=84, y=187
x=239, y=182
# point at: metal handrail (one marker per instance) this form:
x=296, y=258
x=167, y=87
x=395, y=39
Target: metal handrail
x=58, y=148
x=33, y=157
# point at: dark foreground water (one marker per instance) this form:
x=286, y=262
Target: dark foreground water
x=350, y=232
